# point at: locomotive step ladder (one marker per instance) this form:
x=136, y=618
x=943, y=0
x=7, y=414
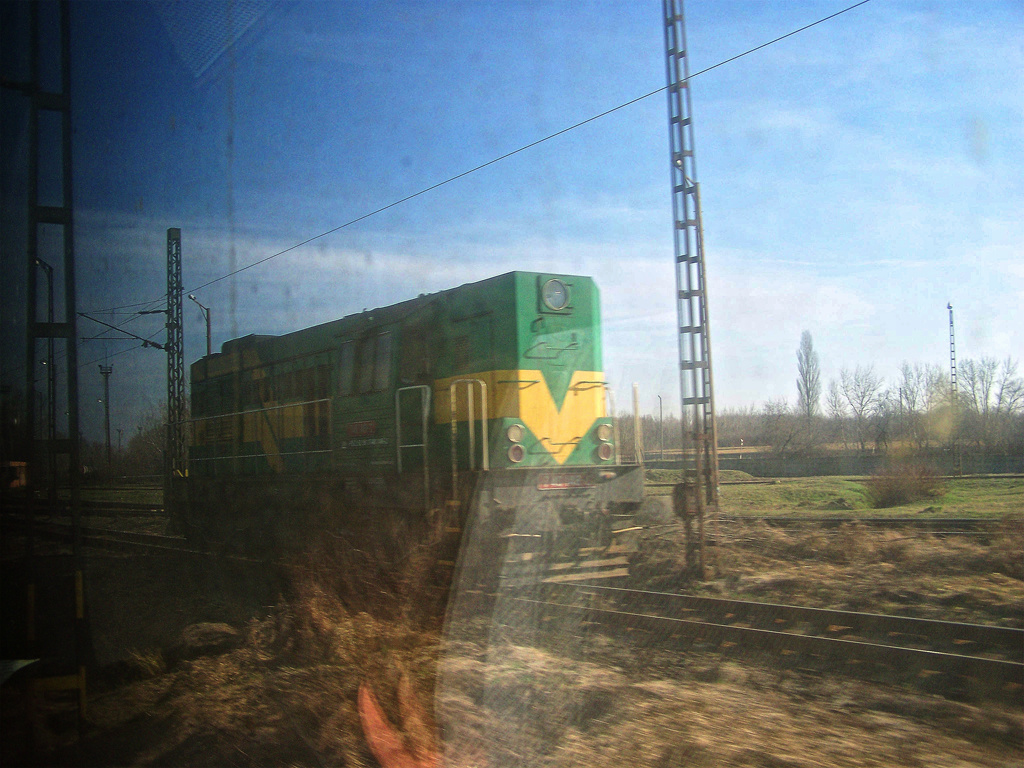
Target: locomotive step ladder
x=471, y=421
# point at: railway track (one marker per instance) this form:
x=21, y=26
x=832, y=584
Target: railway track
x=88, y=507
x=951, y=656
x=98, y=537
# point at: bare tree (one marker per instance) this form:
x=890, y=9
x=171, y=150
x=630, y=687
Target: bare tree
x=836, y=407
x=779, y=426
x=921, y=390
x=884, y=419
x=834, y=401
x=862, y=390
x=976, y=380
x=991, y=397
x=808, y=382
x=1010, y=396
x=738, y=426
x=936, y=387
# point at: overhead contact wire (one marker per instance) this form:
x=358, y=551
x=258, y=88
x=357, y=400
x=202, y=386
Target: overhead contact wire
x=505, y=156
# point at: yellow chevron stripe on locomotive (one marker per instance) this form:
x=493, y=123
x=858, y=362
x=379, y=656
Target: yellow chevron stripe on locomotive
x=550, y=434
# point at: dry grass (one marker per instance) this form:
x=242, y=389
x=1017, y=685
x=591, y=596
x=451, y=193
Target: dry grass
x=149, y=663
x=571, y=696
x=852, y=567
x=911, y=552
x=287, y=695
x=515, y=705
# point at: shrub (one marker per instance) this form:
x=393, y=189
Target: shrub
x=903, y=484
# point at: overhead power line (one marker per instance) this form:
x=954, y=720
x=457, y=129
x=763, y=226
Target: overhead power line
x=500, y=158
x=128, y=334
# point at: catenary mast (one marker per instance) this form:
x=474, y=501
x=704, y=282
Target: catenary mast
x=700, y=440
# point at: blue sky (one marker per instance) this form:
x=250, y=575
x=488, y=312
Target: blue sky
x=855, y=177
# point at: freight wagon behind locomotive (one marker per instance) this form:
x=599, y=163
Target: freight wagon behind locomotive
x=488, y=396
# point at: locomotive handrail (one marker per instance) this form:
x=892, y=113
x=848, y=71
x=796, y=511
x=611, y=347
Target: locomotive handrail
x=470, y=413
x=200, y=459
x=256, y=410
x=425, y=396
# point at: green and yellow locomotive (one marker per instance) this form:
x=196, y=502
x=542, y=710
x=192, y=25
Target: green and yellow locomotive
x=489, y=396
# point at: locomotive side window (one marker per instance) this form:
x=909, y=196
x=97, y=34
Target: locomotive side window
x=382, y=363
x=323, y=381
x=366, y=357
x=307, y=377
x=250, y=393
x=346, y=368
x=374, y=363
x=460, y=352
x=224, y=394
x=414, y=357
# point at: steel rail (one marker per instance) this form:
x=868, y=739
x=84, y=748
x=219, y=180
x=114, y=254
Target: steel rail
x=100, y=535
x=1008, y=674
x=90, y=507
x=959, y=634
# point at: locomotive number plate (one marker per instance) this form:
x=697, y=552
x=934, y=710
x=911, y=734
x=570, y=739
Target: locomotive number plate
x=556, y=481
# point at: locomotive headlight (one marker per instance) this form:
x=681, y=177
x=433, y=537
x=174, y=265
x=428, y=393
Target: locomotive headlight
x=515, y=433
x=555, y=295
x=605, y=451
x=516, y=453
x=604, y=432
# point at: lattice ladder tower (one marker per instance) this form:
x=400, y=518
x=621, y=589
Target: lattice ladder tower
x=696, y=383
x=175, y=455
x=954, y=396
x=49, y=106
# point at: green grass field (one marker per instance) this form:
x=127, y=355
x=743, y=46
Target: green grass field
x=810, y=496
x=841, y=496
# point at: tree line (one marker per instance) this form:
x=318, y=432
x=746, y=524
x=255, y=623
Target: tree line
x=919, y=411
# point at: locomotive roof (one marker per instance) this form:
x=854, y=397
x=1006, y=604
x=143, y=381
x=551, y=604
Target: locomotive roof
x=368, y=318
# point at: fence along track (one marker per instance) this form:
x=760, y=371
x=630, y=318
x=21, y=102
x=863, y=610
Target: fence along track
x=850, y=642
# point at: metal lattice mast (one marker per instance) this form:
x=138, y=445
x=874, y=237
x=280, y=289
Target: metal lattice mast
x=696, y=390
x=954, y=396
x=60, y=325
x=952, y=355
x=175, y=451
x=50, y=330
